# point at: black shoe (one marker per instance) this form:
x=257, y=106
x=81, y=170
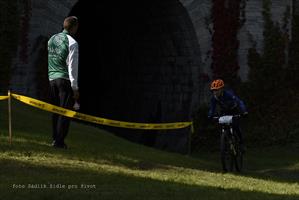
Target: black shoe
x=57, y=145
x=64, y=146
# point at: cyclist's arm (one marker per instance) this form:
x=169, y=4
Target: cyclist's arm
x=240, y=104
x=212, y=108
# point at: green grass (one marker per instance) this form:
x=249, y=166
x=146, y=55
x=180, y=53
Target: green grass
x=117, y=169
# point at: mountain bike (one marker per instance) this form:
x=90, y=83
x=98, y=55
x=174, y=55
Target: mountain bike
x=230, y=151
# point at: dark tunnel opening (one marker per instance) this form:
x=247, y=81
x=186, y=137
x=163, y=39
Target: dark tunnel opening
x=135, y=64
x=108, y=36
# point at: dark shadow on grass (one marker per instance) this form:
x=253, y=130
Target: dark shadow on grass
x=278, y=163
x=102, y=146
x=131, y=159
x=279, y=175
x=107, y=185
x=258, y=164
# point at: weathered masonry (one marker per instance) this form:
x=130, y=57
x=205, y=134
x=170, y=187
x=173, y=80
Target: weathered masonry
x=137, y=63
x=141, y=62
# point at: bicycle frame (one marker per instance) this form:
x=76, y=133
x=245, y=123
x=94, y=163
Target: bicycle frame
x=229, y=132
x=230, y=151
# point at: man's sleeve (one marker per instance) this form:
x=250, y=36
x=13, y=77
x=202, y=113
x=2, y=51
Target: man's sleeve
x=212, y=108
x=240, y=103
x=73, y=65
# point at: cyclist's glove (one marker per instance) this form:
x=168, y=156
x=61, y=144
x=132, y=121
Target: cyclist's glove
x=210, y=118
x=245, y=114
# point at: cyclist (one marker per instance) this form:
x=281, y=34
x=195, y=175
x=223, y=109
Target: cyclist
x=229, y=104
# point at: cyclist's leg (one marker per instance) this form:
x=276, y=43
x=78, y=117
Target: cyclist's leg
x=236, y=127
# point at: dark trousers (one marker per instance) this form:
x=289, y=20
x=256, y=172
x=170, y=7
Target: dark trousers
x=236, y=127
x=62, y=96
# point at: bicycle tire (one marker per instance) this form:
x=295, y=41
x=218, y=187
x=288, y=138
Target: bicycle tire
x=225, y=154
x=238, y=155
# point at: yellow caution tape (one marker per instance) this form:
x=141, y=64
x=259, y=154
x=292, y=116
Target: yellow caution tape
x=3, y=97
x=192, y=128
x=98, y=120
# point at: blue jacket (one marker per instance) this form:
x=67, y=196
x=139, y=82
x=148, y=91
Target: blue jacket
x=228, y=103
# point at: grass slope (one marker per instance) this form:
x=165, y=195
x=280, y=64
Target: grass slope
x=99, y=165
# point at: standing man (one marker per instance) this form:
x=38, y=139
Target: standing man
x=63, y=53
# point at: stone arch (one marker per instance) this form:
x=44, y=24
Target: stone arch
x=147, y=65
x=142, y=65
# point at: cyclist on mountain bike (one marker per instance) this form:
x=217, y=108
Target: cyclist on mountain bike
x=229, y=104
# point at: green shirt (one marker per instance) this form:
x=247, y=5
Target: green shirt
x=58, y=50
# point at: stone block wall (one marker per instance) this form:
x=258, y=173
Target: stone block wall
x=153, y=70
x=200, y=13
x=166, y=70
x=39, y=20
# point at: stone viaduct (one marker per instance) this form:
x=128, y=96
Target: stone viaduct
x=140, y=61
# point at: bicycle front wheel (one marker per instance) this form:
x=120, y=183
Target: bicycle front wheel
x=227, y=158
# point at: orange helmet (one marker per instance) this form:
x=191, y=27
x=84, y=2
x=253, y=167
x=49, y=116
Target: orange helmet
x=217, y=84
